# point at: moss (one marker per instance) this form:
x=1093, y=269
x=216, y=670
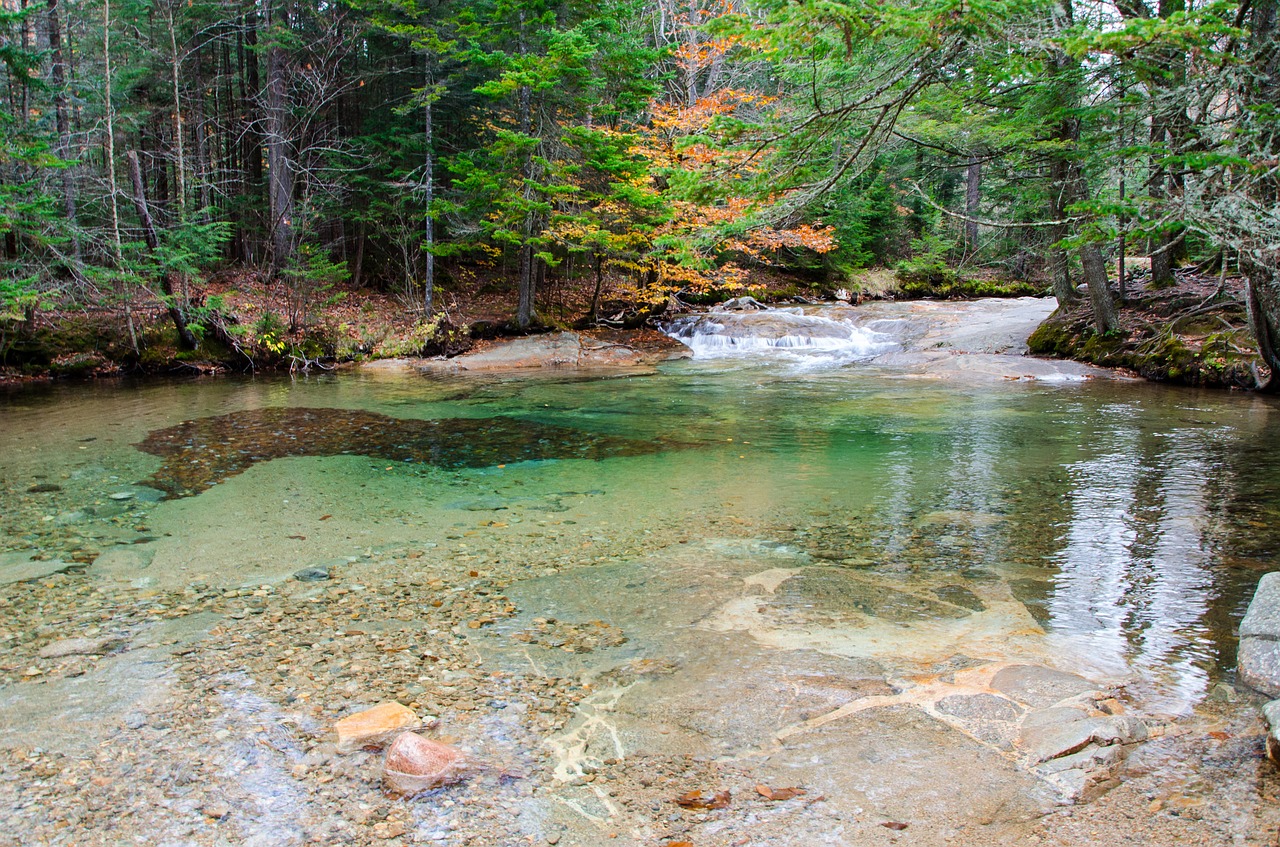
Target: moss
x=1215, y=361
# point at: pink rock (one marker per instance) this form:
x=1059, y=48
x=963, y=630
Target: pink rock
x=416, y=764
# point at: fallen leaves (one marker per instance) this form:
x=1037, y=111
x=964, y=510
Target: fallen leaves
x=778, y=794
x=695, y=800
x=896, y=826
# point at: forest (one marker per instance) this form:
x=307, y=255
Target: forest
x=160, y=160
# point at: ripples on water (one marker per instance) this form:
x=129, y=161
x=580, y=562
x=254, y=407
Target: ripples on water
x=1131, y=521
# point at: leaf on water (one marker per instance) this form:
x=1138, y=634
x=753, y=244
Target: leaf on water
x=1219, y=735
x=298, y=537
x=897, y=826
x=325, y=517
x=777, y=794
x=695, y=800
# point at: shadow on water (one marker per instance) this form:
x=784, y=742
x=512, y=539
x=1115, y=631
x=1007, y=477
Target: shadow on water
x=200, y=453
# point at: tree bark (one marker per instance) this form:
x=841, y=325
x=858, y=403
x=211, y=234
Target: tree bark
x=428, y=179
x=58, y=78
x=972, y=199
x=185, y=336
x=279, y=164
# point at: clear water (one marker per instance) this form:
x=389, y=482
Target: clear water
x=1124, y=525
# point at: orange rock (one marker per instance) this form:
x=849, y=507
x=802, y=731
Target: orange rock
x=373, y=727
x=417, y=764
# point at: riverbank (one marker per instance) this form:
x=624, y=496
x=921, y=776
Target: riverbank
x=1193, y=333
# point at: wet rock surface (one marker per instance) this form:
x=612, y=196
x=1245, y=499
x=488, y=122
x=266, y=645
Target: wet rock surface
x=1259, y=652
x=598, y=349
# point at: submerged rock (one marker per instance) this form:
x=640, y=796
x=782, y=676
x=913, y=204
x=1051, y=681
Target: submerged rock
x=374, y=726
x=44, y=488
x=415, y=763
x=201, y=453
x=81, y=647
x=311, y=575
x=1040, y=687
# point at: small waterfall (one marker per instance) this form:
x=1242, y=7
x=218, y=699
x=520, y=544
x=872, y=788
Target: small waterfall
x=719, y=334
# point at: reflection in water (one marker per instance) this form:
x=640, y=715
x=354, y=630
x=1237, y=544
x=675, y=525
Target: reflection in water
x=204, y=452
x=1135, y=581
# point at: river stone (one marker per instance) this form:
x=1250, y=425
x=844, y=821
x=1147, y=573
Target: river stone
x=44, y=488
x=374, y=726
x=80, y=647
x=311, y=575
x=1039, y=687
x=121, y=495
x=415, y=763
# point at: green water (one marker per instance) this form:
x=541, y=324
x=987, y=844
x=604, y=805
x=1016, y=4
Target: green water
x=1125, y=524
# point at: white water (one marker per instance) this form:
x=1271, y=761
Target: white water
x=726, y=334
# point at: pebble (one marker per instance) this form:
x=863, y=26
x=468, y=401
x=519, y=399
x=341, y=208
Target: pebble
x=311, y=575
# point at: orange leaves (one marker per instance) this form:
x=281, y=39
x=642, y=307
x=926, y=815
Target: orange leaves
x=778, y=794
x=680, y=119
x=695, y=800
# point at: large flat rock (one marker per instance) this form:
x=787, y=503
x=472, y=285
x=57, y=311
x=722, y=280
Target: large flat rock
x=597, y=349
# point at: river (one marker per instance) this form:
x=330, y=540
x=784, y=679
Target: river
x=778, y=567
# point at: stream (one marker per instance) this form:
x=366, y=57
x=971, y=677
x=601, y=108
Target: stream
x=955, y=595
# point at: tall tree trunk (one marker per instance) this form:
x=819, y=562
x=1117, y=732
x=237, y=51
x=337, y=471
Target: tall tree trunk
x=112, y=184
x=1158, y=246
x=972, y=199
x=594, y=315
x=179, y=166
x=185, y=336
x=428, y=179
x=279, y=165
x=1092, y=265
x=1260, y=264
x=58, y=78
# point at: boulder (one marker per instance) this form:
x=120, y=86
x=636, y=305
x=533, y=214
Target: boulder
x=1258, y=658
x=374, y=727
x=415, y=764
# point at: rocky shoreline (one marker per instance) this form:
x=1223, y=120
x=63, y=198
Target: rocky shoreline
x=208, y=715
